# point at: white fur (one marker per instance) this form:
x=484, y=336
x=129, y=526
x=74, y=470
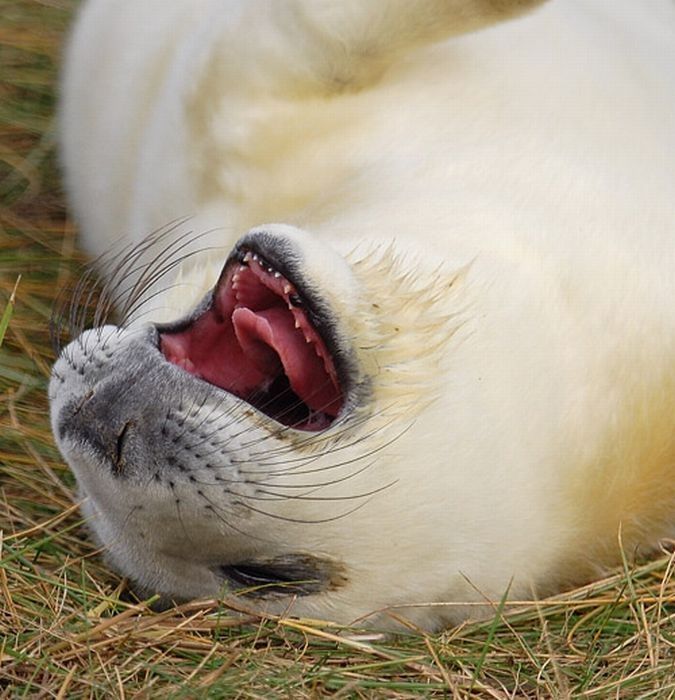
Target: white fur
x=535, y=155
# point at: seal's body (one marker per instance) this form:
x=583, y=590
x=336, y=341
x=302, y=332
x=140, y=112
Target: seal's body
x=448, y=370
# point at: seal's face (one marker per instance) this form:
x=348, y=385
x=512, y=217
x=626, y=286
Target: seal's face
x=232, y=449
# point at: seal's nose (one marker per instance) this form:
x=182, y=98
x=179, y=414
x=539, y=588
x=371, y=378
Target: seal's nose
x=107, y=394
x=95, y=422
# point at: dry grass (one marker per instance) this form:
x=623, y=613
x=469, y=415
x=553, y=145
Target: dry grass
x=65, y=628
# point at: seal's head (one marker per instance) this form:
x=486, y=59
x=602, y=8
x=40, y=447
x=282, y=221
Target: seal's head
x=247, y=446
x=296, y=420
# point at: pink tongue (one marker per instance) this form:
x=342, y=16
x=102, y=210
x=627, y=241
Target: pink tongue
x=269, y=336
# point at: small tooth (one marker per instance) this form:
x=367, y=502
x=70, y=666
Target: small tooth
x=247, y=257
x=287, y=289
x=255, y=257
x=308, y=340
x=277, y=274
x=297, y=323
x=270, y=270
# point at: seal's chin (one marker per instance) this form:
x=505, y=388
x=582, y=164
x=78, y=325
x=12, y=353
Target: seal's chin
x=259, y=338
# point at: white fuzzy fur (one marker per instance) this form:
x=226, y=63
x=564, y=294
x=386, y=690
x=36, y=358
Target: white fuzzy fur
x=535, y=155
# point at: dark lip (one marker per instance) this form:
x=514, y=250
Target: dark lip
x=284, y=258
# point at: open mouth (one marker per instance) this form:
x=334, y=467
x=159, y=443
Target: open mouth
x=259, y=340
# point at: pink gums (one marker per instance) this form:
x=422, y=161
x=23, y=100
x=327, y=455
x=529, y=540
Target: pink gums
x=252, y=336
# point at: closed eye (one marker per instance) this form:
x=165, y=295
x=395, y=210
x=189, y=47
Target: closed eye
x=290, y=574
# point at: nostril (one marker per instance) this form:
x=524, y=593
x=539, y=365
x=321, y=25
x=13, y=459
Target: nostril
x=118, y=460
x=89, y=395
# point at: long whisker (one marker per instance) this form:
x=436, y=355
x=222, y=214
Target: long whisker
x=302, y=521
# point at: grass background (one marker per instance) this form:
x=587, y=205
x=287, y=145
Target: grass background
x=66, y=628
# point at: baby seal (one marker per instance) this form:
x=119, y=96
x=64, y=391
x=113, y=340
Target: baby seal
x=446, y=370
